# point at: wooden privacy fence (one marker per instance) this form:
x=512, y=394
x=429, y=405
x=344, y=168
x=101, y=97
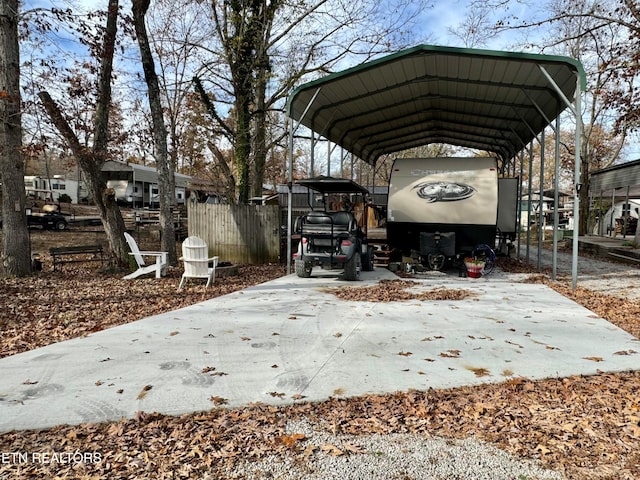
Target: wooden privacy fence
x=247, y=234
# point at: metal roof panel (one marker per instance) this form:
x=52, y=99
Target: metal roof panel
x=489, y=100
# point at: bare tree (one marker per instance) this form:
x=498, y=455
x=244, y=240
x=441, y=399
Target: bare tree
x=15, y=242
x=92, y=159
x=262, y=50
x=603, y=37
x=476, y=29
x=166, y=177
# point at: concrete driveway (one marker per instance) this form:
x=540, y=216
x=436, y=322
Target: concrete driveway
x=292, y=340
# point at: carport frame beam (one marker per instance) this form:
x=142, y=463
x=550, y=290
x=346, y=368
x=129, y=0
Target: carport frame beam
x=576, y=108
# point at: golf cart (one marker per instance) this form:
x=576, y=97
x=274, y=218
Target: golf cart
x=330, y=234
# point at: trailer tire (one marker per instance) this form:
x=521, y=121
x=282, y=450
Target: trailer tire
x=485, y=252
x=352, y=268
x=303, y=269
x=436, y=261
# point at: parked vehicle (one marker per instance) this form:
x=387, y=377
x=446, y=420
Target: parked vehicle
x=46, y=220
x=441, y=209
x=330, y=235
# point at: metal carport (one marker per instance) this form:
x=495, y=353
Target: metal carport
x=488, y=100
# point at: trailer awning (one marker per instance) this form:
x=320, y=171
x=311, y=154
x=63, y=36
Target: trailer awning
x=488, y=100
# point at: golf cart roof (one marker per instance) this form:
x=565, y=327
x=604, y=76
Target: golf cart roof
x=324, y=184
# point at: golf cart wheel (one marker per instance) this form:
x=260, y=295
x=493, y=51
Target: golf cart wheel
x=60, y=225
x=303, y=269
x=352, y=268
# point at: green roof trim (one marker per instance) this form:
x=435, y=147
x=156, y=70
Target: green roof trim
x=531, y=57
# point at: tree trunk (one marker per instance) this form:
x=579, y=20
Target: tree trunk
x=16, y=252
x=243, y=144
x=583, y=195
x=260, y=126
x=166, y=175
x=91, y=164
x=92, y=160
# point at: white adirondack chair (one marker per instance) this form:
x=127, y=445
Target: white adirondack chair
x=143, y=268
x=197, y=263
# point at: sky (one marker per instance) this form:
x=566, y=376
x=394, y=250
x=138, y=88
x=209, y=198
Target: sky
x=433, y=27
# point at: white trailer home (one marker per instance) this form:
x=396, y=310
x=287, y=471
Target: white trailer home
x=620, y=219
x=137, y=185
x=42, y=188
x=453, y=201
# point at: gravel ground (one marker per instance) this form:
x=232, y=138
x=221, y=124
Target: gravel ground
x=392, y=457
x=594, y=273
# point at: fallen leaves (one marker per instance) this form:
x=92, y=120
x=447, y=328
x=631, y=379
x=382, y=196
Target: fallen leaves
x=479, y=371
x=144, y=391
x=331, y=450
x=626, y=352
x=54, y=306
x=620, y=311
x=291, y=440
x=451, y=354
x=580, y=425
x=594, y=359
x=397, y=290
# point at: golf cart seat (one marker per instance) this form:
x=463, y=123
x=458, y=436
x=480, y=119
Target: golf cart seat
x=328, y=223
x=344, y=222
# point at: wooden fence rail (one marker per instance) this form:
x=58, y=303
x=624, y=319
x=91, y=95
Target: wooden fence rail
x=248, y=234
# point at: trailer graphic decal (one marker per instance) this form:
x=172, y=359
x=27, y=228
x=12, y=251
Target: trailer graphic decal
x=435, y=191
x=443, y=191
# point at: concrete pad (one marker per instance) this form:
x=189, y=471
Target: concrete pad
x=290, y=339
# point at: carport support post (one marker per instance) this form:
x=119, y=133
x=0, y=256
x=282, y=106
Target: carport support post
x=541, y=221
x=292, y=131
x=290, y=195
x=520, y=204
x=556, y=199
x=576, y=108
x=576, y=192
x=529, y=207
x=312, y=154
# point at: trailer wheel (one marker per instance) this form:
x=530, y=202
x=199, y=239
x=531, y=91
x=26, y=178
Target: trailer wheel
x=488, y=255
x=352, y=268
x=436, y=261
x=303, y=269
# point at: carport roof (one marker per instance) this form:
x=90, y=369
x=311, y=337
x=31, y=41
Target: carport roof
x=483, y=99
